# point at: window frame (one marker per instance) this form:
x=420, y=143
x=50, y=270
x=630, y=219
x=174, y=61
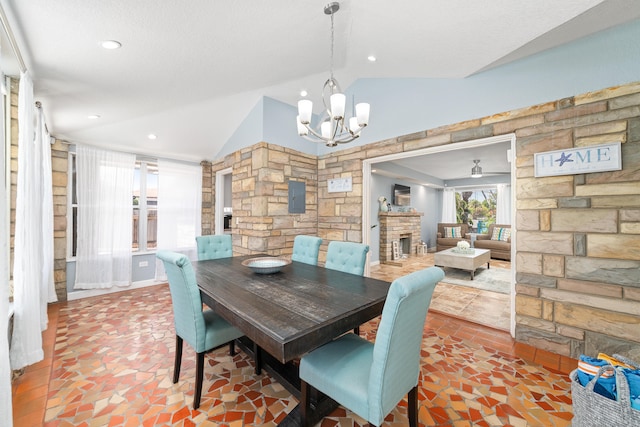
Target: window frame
x=143, y=166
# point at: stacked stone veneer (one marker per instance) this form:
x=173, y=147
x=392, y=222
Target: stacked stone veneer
x=394, y=225
x=577, y=236
x=60, y=168
x=260, y=186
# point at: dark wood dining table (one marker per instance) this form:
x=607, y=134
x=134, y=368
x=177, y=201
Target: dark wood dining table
x=287, y=314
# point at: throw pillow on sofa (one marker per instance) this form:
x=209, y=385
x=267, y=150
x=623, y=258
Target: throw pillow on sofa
x=453, y=232
x=501, y=233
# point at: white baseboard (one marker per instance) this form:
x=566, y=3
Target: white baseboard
x=86, y=293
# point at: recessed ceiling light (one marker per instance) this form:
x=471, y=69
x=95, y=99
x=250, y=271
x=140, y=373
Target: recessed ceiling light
x=152, y=136
x=111, y=44
x=93, y=116
x=303, y=93
x=371, y=58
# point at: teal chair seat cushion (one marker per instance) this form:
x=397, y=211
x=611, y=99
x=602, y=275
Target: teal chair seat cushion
x=217, y=331
x=341, y=369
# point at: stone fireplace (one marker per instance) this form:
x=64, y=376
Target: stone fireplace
x=403, y=227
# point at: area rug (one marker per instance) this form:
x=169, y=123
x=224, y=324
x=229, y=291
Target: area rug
x=493, y=279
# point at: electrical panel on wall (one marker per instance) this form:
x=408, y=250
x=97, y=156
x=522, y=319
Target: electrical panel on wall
x=297, y=197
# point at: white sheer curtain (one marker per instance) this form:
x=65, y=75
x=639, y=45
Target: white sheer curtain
x=43, y=140
x=33, y=248
x=105, y=217
x=179, y=209
x=449, y=205
x=503, y=204
x=6, y=410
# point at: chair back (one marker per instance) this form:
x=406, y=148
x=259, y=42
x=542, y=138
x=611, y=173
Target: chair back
x=348, y=257
x=305, y=249
x=396, y=352
x=185, y=298
x=214, y=246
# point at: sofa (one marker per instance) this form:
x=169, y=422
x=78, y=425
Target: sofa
x=498, y=240
x=446, y=242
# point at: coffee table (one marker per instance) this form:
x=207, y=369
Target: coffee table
x=449, y=258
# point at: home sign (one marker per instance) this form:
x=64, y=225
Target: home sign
x=596, y=158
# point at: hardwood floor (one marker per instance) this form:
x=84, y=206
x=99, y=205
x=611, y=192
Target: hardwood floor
x=475, y=305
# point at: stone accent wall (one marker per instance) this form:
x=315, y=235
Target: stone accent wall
x=60, y=168
x=578, y=243
x=15, y=85
x=396, y=224
x=207, y=213
x=260, y=177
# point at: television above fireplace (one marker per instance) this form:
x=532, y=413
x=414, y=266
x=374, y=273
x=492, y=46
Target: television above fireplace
x=401, y=195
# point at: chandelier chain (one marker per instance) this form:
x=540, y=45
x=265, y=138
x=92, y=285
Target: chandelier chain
x=331, y=64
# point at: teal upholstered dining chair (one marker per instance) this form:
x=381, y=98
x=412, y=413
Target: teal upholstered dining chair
x=214, y=246
x=305, y=249
x=371, y=378
x=348, y=257
x=203, y=330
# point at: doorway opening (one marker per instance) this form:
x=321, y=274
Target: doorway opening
x=224, y=197
x=454, y=154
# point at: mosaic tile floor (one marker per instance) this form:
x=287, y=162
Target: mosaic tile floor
x=109, y=363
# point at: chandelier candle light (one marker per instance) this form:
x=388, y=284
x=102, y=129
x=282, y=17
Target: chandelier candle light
x=334, y=129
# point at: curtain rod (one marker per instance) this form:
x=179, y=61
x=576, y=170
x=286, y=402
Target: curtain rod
x=12, y=39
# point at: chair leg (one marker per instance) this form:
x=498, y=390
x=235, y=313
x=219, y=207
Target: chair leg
x=356, y=330
x=305, y=402
x=257, y=359
x=412, y=400
x=232, y=348
x=199, y=378
x=178, y=359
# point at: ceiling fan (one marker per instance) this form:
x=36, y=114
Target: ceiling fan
x=476, y=171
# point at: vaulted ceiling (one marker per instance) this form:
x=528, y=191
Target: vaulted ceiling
x=190, y=72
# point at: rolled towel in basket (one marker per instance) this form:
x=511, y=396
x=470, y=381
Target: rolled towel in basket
x=588, y=368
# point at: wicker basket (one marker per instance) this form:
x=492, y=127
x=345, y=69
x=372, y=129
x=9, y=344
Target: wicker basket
x=593, y=410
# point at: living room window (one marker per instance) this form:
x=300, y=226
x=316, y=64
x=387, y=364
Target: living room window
x=477, y=207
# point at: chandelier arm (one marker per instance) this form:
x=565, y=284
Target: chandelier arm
x=345, y=141
x=314, y=133
x=340, y=140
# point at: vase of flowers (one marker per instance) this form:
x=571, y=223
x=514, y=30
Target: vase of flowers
x=384, y=207
x=463, y=247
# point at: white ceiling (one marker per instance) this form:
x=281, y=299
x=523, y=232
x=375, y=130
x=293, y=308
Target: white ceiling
x=454, y=164
x=191, y=71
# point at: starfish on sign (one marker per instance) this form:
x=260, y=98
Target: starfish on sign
x=563, y=159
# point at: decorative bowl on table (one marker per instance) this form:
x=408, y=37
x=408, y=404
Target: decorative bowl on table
x=266, y=265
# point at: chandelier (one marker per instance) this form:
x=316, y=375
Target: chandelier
x=334, y=128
